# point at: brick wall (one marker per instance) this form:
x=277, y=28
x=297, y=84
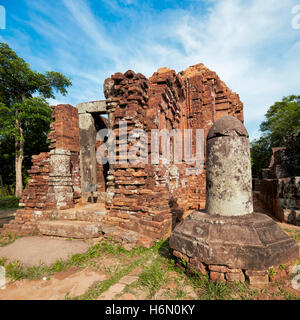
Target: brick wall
x=64, y=130
x=40, y=195
x=138, y=204
x=151, y=198
x=207, y=99
x=280, y=186
x=145, y=198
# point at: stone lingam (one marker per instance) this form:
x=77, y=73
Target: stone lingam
x=228, y=240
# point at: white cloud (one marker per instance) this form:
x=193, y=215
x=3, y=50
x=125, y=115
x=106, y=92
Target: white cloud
x=55, y=102
x=250, y=44
x=92, y=28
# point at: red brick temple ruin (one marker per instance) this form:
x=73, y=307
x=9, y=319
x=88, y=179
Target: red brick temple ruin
x=279, y=188
x=135, y=203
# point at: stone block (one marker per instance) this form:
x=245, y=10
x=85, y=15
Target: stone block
x=279, y=275
x=235, y=276
x=196, y=266
x=215, y=268
x=258, y=280
x=217, y=276
x=93, y=106
x=181, y=256
x=69, y=229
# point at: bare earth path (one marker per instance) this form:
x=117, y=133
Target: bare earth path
x=108, y=272
x=31, y=251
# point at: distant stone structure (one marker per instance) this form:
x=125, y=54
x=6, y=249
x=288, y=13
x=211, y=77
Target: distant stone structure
x=280, y=185
x=229, y=241
x=143, y=202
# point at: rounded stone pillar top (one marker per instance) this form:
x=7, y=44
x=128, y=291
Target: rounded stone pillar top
x=227, y=126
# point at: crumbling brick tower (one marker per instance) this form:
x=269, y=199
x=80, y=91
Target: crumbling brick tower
x=55, y=175
x=144, y=200
x=207, y=99
x=149, y=198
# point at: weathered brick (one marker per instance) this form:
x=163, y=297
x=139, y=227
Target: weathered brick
x=217, y=276
x=235, y=276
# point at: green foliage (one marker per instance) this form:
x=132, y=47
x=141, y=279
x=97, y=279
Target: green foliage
x=282, y=121
x=153, y=277
x=9, y=202
x=272, y=271
x=208, y=290
x=261, y=151
x=7, y=163
x=282, y=266
x=184, y=263
x=19, y=82
x=2, y=261
x=25, y=115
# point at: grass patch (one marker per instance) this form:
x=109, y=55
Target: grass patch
x=208, y=290
x=2, y=261
x=9, y=202
x=153, y=278
x=16, y=271
x=287, y=295
x=157, y=267
x=179, y=292
x=98, y=288
x=113, y=248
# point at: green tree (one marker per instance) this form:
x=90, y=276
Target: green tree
x=261, y=151
x=20, y=108
x=282, y=121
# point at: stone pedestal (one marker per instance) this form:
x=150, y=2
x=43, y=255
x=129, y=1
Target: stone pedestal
x=249, y=242
x=228, y=240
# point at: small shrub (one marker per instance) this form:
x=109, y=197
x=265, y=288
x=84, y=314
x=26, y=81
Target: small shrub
x=282, y=266
x=9, y=202
x=272, y=271
x=2, y=261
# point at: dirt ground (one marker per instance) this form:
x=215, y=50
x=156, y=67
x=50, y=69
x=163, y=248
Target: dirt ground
x=108, y=272
x=31, y=251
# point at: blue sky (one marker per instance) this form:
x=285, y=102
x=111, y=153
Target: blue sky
x=251, y=44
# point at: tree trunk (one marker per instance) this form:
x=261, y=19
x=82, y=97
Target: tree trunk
x=19, y=145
